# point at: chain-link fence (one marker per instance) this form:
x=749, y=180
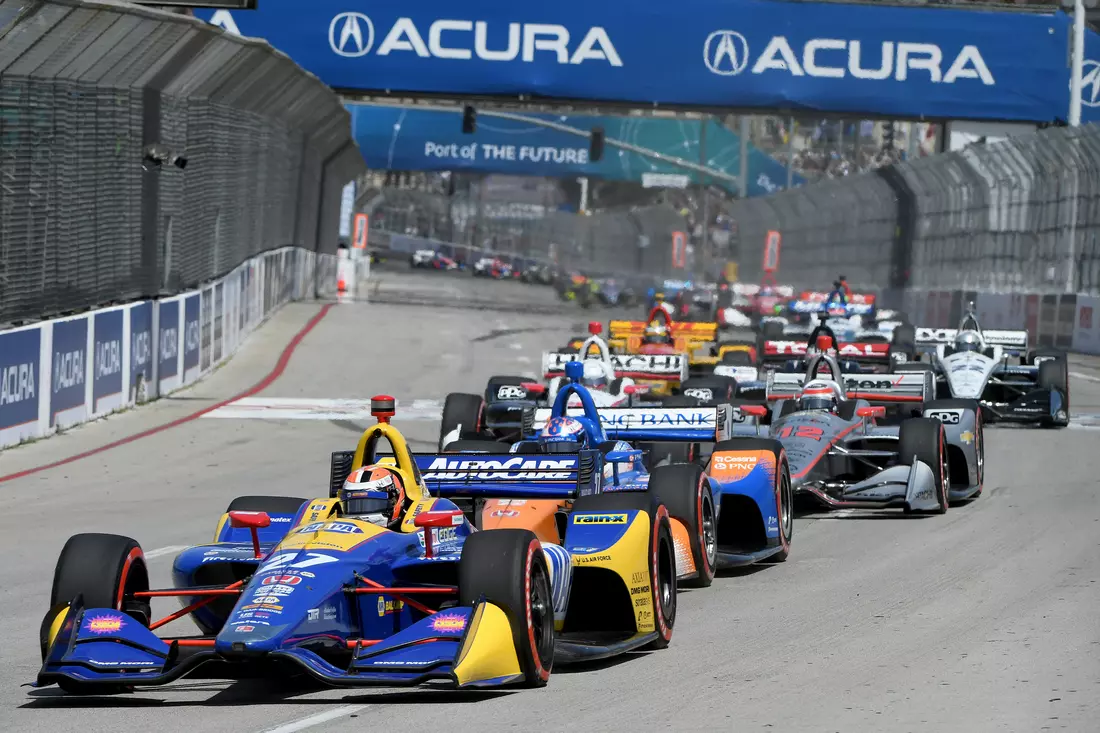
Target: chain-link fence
x=143, y=152
x=1016, y=216
x=628, y=240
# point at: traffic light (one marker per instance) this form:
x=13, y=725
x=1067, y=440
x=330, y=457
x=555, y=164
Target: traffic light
x=888, y=136
x=595, y=145
x=469, y=120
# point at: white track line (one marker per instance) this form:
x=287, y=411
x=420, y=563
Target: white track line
x=318, y=719
x=1086, y=377
x=165, y=551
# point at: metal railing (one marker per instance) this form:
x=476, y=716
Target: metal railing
x=1017, y=216
x=91, y=94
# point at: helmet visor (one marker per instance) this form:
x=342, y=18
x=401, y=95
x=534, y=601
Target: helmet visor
x=366, y=502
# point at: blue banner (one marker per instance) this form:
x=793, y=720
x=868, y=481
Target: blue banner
x=191, y=332
x=409, y=139
x=70, y=359
x=20, y=353
x=897, y=62
x=141, y=348
x=107, y=360
x=168, y=358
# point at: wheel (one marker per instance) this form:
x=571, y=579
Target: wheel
x=339, y=469
x=662, y=553
x=509, y=568
x=1054, y=375
x=904, y=340
x=661, y=453
x=922, y=438
x=270, y=504
x=501, y=388
x=462, y=415
x=103, y=569
x=784, y=490
x=684, y=489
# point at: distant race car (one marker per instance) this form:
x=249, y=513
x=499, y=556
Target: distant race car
x=493, y=267
x=972, y=364
x=859, y=349
x=614, y=380
x=309, y=585
x=750, y=305
x=430, y=259
x=873, y=441
x=660, y=334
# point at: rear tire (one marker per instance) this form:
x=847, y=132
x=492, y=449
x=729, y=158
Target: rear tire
x=686, y=492
x=508, y=567
x=721, y=390
x=923, y=438
x=1053, y=375
x=461, y=412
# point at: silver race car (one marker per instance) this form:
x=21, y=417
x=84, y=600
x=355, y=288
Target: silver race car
x=873, y=441
x=995, y=368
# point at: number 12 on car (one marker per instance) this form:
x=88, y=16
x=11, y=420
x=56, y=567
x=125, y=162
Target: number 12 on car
x=800, y=431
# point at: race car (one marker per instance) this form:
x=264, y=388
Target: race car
x=660, y=334
x=719, y=518
x=382, y=583
x=431, y=260
x=973, y=364
x=747, y=306
x=493, y=267
x=873, y=441
x=866, y=351
x=614, y=380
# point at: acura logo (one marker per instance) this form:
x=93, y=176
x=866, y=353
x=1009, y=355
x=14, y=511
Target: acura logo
x=351, y=35
x=726, y=53
x=1090, y=83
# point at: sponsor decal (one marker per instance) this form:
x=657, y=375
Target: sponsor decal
x=440, y=536
x=599, y=519
x=448, y=623
x=798, y=348
x=584, y=559
x=328, y=612
x=641, y=602
x=967, y=437
x=282, y=580
x=638, y=577
x=313, y=614
x=245, y=629
x=732, y=467
x=947, y=417
x=511, y=392
x=282, y=561
x=511, y=469
x=385, y=607
x=700, y=393
x=504, y=513
x=639, y=590
x=104, y=624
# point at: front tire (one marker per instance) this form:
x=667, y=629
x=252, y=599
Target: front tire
x=922, y=439
x=508, y=567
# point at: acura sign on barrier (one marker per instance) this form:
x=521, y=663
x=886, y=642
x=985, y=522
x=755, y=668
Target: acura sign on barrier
x=886, y=60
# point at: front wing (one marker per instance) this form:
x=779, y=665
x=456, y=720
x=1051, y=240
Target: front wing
x=909, y=487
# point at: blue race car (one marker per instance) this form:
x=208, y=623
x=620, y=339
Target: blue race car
x=734, y=510
x=381, y=583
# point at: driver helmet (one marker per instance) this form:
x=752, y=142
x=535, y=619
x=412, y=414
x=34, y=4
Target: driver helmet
x=595, y=377
x=968, y=341
x=655, y=333
x=563, y=435
x=374, y=494
x=766, y=290
x=820, y=394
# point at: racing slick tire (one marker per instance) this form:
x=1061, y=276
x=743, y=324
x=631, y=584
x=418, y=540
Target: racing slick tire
x=1054, y=374
x=784, y=489
x=101, y=568
x=509, y=568
x=979, y=433
x=662, y=552
x=685, y=490
x=904, y=342
x=461, y=412
x=923, y=438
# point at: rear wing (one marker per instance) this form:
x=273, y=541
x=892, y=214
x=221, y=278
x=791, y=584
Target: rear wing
x=1014, y=342
x=884, y=389
x=671, y=424
x=655, y=367
x=701, y=332
x=873, y=352
x=508, y=475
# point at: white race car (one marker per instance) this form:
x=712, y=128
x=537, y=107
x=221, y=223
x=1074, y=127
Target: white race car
x=607, y=389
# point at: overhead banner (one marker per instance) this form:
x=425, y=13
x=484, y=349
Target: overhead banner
x=897, y=62
x=409, y=139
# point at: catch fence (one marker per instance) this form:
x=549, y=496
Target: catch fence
x=1020, y=216
x=143, y=153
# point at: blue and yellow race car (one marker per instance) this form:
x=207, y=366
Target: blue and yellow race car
x=731, y=509
x=353, y=590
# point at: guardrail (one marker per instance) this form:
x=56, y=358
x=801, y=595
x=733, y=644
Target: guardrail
x=66, y=371
x=1013, y=226
x=142, y=153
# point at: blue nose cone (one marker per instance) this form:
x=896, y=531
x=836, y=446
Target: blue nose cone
x=574, y=370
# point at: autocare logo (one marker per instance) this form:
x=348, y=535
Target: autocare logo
x=352, y=35
x=727, y=53
x=544, y=469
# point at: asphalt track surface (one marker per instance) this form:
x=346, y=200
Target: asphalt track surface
x=981, y=620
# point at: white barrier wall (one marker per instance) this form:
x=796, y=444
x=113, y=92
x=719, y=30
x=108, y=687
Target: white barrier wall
x=66, y=371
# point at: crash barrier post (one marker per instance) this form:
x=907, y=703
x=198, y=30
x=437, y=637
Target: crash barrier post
x=143, y=153
x=65, y=371
x=1013, y=226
